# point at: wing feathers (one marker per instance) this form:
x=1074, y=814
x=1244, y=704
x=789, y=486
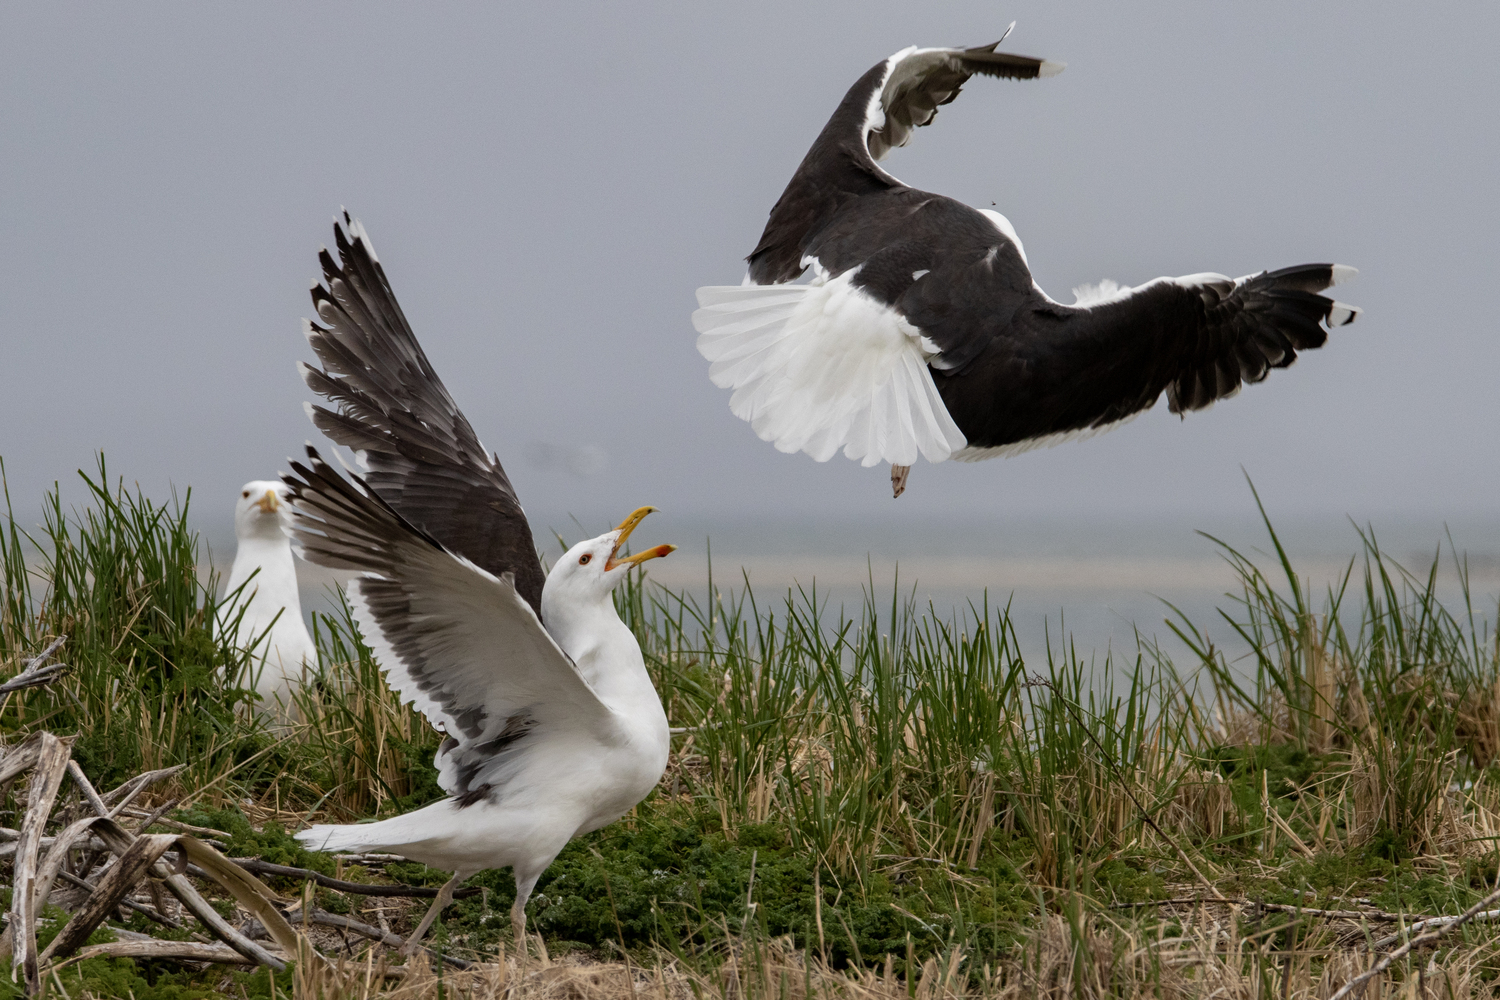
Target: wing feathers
x=1046, y=372
x=458, y=643
x=824, y=366
x=421, y=455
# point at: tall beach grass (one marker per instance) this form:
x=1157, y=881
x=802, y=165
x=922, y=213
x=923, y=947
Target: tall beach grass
x=895, y=794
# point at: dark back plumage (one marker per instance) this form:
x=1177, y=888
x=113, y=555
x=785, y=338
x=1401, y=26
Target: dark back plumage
x=420, y=454
x=842, y=163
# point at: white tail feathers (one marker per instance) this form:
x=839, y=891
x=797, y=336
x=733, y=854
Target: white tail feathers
x=326, y=837
x=823, y=366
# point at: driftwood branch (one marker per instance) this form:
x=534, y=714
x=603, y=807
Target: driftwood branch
x=172, y=824
x=129, y=904
x=21, y=757
x=119, y=841
x=192, y=951
x=1440, y=926
x=121, y=797
x=1380, y=916
x=77, y=834
x=86, y=788
x=412, y=891
x=140, y=856
x=37, y=671
x=46, y=779
x=121, y=877
x=325, y=919
x=1435, y=923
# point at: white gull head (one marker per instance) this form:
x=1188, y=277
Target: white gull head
x=261, y=511
x=590, y=571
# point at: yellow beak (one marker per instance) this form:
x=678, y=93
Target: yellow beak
x=626, y=527
x=270, y=503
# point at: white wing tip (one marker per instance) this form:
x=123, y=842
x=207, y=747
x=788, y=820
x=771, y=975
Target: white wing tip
x=362, y=236
x=1342, y=314
x=1343, y=273
x=1051, y=68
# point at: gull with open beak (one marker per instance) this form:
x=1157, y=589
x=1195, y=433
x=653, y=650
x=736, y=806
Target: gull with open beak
x=553, y=726
x=262, y=604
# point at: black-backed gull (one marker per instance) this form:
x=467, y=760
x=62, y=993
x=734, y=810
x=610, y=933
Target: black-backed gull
x=553, y=726
x=921, y=331
x=262, y=606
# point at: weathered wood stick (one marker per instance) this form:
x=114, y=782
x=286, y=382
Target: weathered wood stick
x=192, y=951
x=34, y=674
x=131, y=904
x=21, y=757
x=46, y=779
x=411, y=891
x=121, y=797
x=57, y=856
x=118, y=840
x=1448, y=924
x=121, y=877
x=34, y=677
x=1435, y=923
x=326, y=919
x=86, y=788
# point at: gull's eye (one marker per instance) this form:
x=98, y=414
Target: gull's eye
x=245, y=494
x=584, y=560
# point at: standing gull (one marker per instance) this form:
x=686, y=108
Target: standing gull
x=266, y=612
x=553, y=726
x=921, y=331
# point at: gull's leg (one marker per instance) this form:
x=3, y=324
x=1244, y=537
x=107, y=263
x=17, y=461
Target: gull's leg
x=524, y=885
x=898, y=479
x=444, y=897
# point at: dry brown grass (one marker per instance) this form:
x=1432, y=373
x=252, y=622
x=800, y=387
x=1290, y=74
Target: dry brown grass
x=1229, y=954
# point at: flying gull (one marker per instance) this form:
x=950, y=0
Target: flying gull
x=921, y=331
x=553, y=726
x=265, y=611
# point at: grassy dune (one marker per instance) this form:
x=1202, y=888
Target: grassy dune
x=888, y=804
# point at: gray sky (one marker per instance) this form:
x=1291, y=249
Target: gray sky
x=547, y=184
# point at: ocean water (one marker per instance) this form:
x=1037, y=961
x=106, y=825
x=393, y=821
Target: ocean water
x=1099, y=586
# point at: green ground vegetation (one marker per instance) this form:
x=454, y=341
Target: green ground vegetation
x=879, y=791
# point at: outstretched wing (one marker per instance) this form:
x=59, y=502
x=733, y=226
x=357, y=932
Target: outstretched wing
x=919, y=81
x=878, y=113
x=1030, y=376
x=457, y=642
x=392, y=410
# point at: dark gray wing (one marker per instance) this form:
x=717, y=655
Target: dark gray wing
x=421, y=455
x=878, y=113
x=457, y=642
x=1036, y=368
x=922, y=80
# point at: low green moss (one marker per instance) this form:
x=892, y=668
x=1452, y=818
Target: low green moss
x=269, y=843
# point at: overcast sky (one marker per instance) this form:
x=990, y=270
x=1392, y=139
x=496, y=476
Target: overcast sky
x=548, y=183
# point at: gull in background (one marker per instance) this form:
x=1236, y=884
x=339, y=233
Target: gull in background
x=553, y=726
x=921, y=331
x=268, y=606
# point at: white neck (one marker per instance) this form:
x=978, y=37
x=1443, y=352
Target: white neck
x=278, y=575
x=577, y=625
x=606, y=652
